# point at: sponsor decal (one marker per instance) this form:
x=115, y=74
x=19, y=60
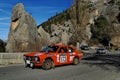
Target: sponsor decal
x=63, y=58
x=73, y=53
x=38, y=54
x=58, y=58
x=71, y=58
x=50, y=55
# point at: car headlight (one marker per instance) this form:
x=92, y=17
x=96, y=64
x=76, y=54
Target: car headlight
x=36, y=59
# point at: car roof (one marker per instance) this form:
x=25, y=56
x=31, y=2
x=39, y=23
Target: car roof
x=62, y=45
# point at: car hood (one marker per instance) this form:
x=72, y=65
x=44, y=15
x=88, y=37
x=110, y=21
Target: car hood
x=34, y=54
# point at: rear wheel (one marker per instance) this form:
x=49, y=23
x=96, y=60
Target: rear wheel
x=76, y=61
x=48, y=64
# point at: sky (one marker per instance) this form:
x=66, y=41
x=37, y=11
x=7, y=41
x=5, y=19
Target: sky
x=41, y=10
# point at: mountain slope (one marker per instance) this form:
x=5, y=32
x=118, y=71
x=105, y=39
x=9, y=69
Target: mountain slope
x=90, y=22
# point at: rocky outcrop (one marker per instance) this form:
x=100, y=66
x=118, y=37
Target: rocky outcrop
x=86, y=22
x=95, y=21
x=110, y=11
x=115, y=41
x=23, y=35
x=43, y=36
x=103, y=21
x=61, y=33
x=82, y=18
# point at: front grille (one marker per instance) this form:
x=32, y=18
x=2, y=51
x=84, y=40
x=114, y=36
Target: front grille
x=31, y=58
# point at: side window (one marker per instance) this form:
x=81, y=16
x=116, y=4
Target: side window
x=63, y=50
x=70, y=50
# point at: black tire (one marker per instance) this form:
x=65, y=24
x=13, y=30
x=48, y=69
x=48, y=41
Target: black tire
x=48, y=64
x=53, y=65
x=76, y=61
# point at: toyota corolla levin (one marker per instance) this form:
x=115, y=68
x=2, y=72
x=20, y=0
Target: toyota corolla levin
x=53, y=55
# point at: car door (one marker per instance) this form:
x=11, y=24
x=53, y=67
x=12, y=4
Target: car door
x=71, y=54
x=63, y=55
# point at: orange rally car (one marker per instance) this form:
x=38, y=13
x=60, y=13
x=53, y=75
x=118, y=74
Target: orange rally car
x=53, y=55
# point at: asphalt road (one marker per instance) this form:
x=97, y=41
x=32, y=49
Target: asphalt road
x=91, y=68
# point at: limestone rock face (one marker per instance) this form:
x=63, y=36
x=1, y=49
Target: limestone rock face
x=115, y=41
x=23, y=31
x=91, y=22
x=43, y=36
x=61, y=33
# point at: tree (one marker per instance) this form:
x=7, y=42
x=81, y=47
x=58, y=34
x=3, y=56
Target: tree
x=98, y=30
x=2, y=46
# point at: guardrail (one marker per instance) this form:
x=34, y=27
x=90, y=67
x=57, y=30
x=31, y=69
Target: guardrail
x=17, y=58
x=11, y=58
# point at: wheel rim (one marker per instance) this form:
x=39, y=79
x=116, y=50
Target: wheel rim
x=48, y=65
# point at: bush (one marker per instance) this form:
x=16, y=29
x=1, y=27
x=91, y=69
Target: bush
x=58, y=18
x=98, y=30
x=2, y=46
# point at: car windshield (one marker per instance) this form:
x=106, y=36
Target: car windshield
x=50, y=49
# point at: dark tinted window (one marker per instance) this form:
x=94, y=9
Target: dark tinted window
x=70, y=49
x=50, y=49
x=63, y=49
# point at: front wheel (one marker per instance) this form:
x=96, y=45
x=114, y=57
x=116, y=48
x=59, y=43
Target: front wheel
x=76, y=61
x=48, y=64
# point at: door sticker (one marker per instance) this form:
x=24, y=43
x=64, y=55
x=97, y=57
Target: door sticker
x=63, y=58
x=71, y=58
x=58, y=60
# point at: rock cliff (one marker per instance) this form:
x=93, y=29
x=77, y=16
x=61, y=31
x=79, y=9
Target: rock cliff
x=23, y=35
x=92, y=21
x=44, y=37
x=86, y=22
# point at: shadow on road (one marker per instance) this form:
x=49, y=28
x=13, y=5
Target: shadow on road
x=104, y=61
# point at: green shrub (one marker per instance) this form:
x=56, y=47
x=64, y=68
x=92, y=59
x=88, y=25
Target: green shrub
x=2, y=46
x=98, y=30
x=58, y=18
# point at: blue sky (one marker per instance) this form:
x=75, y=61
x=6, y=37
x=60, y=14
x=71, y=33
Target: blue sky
x=41, y=10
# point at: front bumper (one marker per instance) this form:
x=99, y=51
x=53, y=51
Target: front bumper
x=28, y=60
x=27, y=63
